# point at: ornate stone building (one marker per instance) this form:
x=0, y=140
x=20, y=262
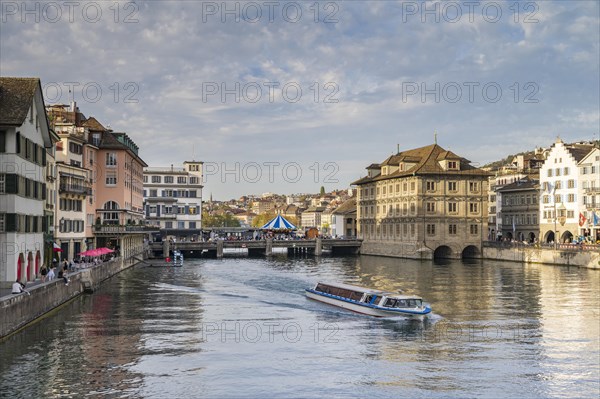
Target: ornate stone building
x=423, y=203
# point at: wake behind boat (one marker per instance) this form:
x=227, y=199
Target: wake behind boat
x=368, y=301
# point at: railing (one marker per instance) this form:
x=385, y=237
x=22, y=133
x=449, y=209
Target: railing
x=124, y=229
x=69, y=188
x=521, y=245
x=592, y=190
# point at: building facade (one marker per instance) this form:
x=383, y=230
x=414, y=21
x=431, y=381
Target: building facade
x=423, y=203
x=173, y=198
x=24, y=137
x=588, y=195
x=560, y=180
x=520, y=210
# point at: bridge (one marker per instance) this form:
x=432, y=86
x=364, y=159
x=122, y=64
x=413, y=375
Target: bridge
x=215, y=249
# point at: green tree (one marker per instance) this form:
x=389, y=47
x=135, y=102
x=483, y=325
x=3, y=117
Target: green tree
x=263, y=218
x=322, y=190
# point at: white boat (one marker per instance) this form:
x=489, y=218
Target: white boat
x=368, y=301
x=177, y=258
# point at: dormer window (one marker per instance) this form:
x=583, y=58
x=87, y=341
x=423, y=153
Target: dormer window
x=401, y=166
x=453, y=165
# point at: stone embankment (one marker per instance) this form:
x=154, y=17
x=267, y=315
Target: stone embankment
x=18, y=310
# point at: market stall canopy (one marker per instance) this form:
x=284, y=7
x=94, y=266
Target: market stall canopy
x=278, y=223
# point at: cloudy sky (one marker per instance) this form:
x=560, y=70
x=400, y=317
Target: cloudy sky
x=288, y=96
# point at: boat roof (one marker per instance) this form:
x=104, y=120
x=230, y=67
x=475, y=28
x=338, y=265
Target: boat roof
x=369, y=290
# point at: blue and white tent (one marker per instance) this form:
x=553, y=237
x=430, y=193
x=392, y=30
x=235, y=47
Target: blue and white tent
x=278, y=222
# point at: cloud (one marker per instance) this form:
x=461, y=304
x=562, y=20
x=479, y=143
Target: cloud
x=165, y=60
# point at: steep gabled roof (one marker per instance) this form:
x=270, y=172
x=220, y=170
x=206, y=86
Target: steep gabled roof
x=16, y=98
x=579, y=151
x=93, y=125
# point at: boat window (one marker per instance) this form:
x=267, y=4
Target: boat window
x=390, y=303
x=401, y=303
x=412, y=303
x=320, y=288
x=377, y=301
x=368, y=298
x=419, y=303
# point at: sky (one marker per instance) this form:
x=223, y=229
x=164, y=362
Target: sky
x=287, y=97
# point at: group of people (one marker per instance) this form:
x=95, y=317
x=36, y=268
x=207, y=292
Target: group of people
x=47, y=275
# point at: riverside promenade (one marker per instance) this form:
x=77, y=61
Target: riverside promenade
x=18, y=310
x=587, y=256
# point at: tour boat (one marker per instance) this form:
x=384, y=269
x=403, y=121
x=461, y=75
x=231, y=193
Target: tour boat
x=177, y=258
x=368, y=301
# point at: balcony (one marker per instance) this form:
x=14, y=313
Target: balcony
x=592, y=190
x=74, y=189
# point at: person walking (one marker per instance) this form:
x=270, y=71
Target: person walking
x=44, y=272
x=51, y=274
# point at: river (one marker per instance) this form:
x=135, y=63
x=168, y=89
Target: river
x=242, y=327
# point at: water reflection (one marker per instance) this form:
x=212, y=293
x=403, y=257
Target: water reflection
x=498, y=330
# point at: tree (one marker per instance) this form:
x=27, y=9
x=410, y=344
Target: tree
x=322, y=190
x=262, y=219
x=223, y=220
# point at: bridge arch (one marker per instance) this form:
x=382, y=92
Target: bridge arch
x=442, y=252
x=471, y=252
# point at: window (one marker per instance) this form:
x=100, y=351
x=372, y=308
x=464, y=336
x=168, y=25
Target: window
x=192, y=225
x=156, y=179
x=558, y=185
x=168, y=225
x=75, y=148
x=2, y=142
x=192, y=193
x=430, y=206
x=412, y=208
x=452, y=207
x=145, y=179
x=193, y=210
x=473, y=229
x=181, y=225
x=570, y=214
x=452, y=165
x=571, y=198
x=2, y=223
x=452, y=186
x=550, y=171
x=193, y=180
x=557, y=198
x=546, y=199
x=412, y=186
x=452, y=229
x=557, y=172
x=168, y=179
x=571, y=183
x=473, y=207
x=474, y=187
x=584, y=170
x=566, y=171
x=2, y=183
x=430, y=186
x=111, y=180
x=153, y=193
x=111, y=159
x=430, y=229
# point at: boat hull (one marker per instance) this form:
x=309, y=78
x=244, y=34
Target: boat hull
x=363, y=308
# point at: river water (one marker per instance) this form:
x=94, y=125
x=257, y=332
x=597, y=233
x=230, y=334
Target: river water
x=242, y=328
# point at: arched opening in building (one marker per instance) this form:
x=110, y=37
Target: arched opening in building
x=20, y=263
x=29, y=275
x=442, y=252
x=38, y=257
x=110, y=214
x=531, y=237
x=549, y=237
x=566, y=237
x=509, y=235
x=471, y=252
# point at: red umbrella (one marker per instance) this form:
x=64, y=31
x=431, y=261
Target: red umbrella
x=104, y=251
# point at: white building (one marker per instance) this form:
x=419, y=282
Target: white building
x=24, y=137
x=588, y=193
x=173, y=198
x=559, y=185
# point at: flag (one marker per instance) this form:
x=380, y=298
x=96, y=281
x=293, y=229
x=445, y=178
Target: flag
x=56, y=247
x=582, y=219
x=550, y=187
x=595, y=219
x=514, y=226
